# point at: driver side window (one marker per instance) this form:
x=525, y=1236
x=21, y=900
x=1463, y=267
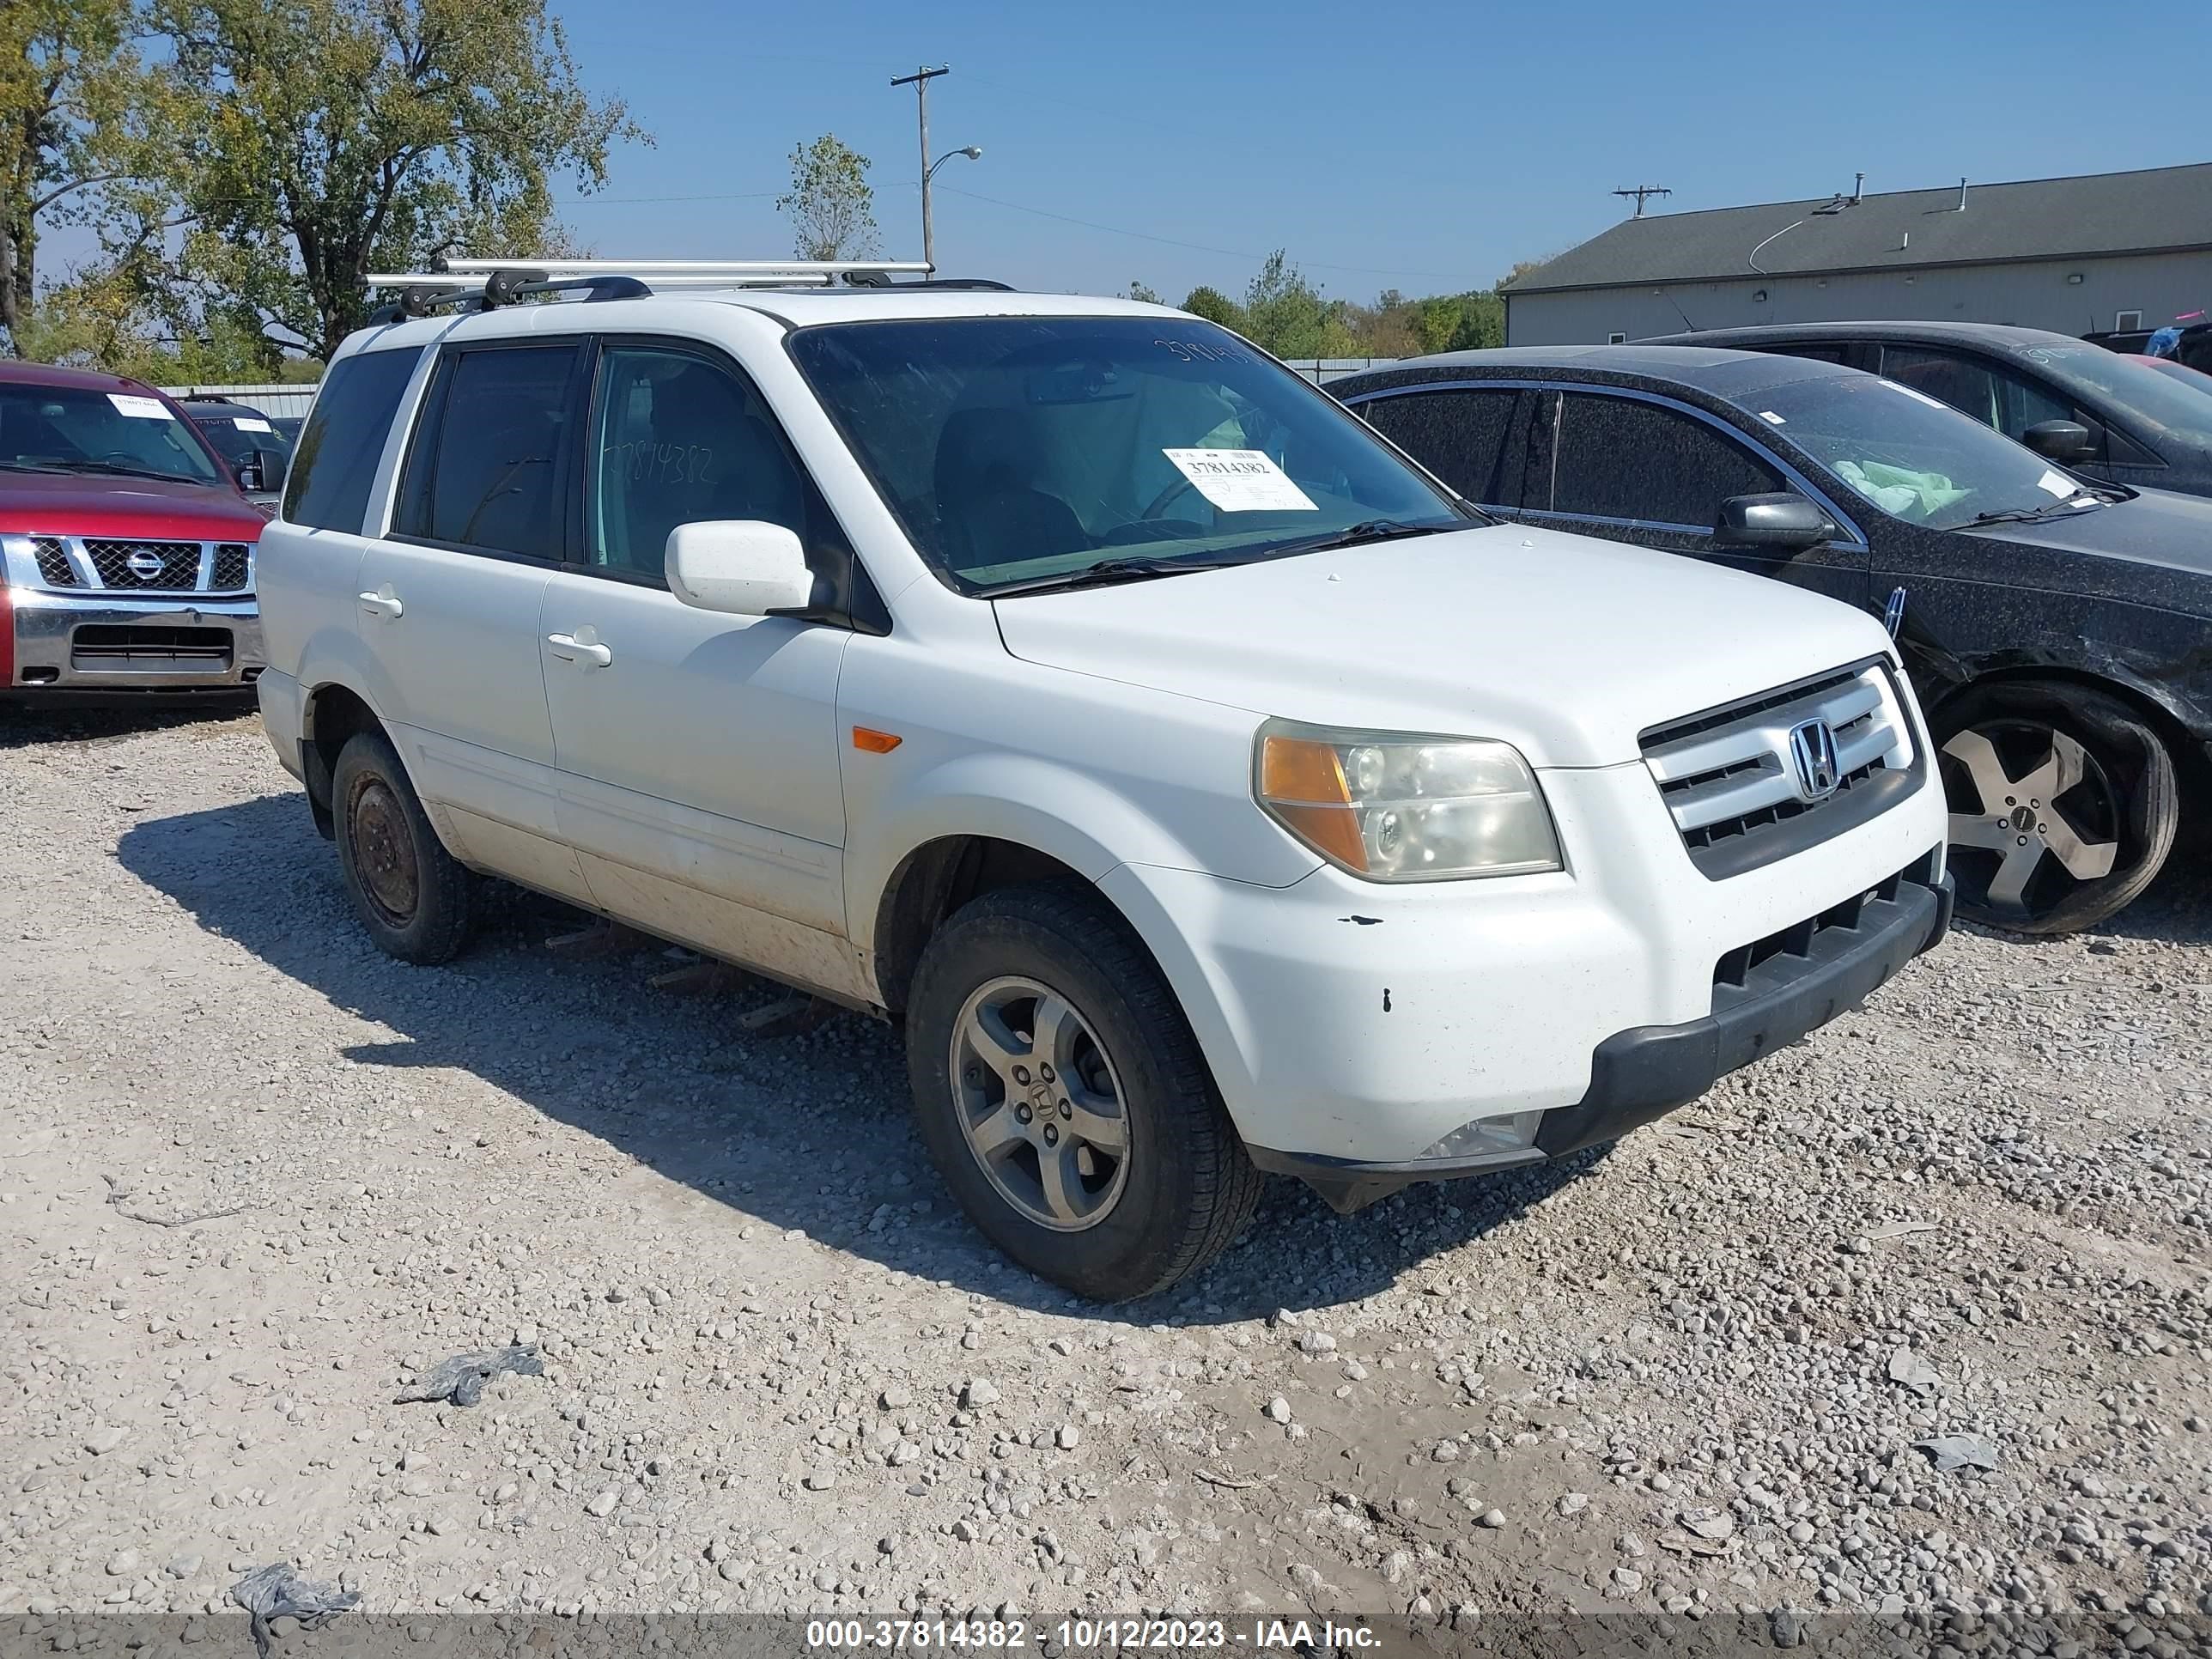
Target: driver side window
x=679, y=440
x=2008, y=402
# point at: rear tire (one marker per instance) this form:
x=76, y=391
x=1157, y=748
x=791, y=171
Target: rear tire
x=414, y=900
x=1064, y=1099
x=2064, y=803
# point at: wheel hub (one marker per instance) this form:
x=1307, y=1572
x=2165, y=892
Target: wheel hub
x=1040, y=1104
x=384, y=851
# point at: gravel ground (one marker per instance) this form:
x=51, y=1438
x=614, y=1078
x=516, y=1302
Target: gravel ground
x=258, y=1179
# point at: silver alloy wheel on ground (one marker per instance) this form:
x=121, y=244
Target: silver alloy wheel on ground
x=2021, y=819
x=1040, y=1104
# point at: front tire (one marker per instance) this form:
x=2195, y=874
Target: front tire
x=414, y=900
x=1064, y=1099
x=2064, y=804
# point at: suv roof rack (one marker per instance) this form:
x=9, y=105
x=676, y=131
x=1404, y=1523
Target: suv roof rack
x=502, y=282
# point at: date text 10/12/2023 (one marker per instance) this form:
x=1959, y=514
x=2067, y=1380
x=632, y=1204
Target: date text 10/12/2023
x=1086, y=1636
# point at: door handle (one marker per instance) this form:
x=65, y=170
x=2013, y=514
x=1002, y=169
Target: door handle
x=589, y=653
x=385, y=603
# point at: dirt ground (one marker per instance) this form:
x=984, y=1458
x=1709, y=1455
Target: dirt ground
x=257, y=1178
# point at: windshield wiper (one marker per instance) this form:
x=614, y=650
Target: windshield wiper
x=2082, y=503
x=1126, y=568
x=120, y=470
x=31, y=466
x=1359, y=535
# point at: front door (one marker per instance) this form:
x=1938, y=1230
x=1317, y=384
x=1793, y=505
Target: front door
x=448, y=603
x=697, y=752
x=1654, y=473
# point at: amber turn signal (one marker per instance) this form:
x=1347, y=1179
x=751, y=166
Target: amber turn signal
x=867, y=738
x=1301, y=781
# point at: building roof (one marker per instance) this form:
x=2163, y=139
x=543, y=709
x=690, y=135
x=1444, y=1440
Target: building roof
x=2156, y=210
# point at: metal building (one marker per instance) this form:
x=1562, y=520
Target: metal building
x=2106, y=251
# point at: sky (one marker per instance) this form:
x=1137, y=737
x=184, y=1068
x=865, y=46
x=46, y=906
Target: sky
x=1425, y=147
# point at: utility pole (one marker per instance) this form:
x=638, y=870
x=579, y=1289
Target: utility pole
x=920, y=80
x=1639, y=191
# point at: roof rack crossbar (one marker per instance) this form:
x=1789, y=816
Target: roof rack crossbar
x=422, y=292
x=718, y=273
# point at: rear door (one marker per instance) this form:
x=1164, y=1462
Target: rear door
x=449, y=596
x=1643, y=468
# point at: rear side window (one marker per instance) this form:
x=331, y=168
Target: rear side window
x=1620, y=457
x=1992, y=395
x=486, y=467
x=343, y=439
x=1463, y=437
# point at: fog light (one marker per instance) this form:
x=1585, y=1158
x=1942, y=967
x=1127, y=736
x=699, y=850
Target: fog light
x=1497, y=1137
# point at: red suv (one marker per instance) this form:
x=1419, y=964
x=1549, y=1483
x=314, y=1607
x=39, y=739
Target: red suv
x=126, y=552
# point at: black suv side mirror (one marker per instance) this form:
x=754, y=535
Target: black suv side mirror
x=1780, y=520
x=2058, y=441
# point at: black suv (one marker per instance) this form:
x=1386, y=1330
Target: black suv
x=2137, y=427
x=257, y=454
x=2055, y=626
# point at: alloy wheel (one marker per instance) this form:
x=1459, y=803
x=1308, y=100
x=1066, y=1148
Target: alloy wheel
x=1039, y=1104
x=2048, y=814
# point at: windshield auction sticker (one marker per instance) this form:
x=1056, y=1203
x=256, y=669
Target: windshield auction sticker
x=140, y=408
x=1240, y=480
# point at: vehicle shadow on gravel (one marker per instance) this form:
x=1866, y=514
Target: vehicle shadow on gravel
x=810, y=1132
x=28, y=725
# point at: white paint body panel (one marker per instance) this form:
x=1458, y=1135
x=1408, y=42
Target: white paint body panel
x=703, y=784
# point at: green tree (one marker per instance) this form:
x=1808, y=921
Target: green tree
x=315, y=141
x=1288, y=315
x=73, y=103
x=831, y=206
x=1216, y=306
x=1144, y=294
x=1521, y=268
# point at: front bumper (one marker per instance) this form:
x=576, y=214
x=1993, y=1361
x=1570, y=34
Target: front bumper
x=1418, y=1031
x=115, y=644
x=1644, y=1073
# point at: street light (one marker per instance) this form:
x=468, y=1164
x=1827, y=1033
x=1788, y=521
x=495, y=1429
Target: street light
x=973, y=152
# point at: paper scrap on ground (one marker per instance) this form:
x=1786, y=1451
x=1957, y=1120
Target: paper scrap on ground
x=1240, y=480
x=1916, y=1373
x=140, y=408
x=1959, y=1451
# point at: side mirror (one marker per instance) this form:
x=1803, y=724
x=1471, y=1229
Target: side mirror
x=273, y=464
x=253, y=475
x=1781, y=519
x=2058, y=441
x=741, y=566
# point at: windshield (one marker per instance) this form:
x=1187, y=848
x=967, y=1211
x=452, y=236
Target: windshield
x=1913, y=458
x=66, y=428
x=237, y=435
x=1017, y=450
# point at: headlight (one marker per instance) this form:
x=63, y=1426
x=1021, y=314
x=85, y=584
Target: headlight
x=1396, y=806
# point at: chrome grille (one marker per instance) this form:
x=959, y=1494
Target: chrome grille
x=79, y=564
x=230, y=567
x=1728, y=779
x=54, y=568
x=145, y=564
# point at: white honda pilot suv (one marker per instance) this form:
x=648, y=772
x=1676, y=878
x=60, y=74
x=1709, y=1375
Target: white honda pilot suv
x=1208, y=790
